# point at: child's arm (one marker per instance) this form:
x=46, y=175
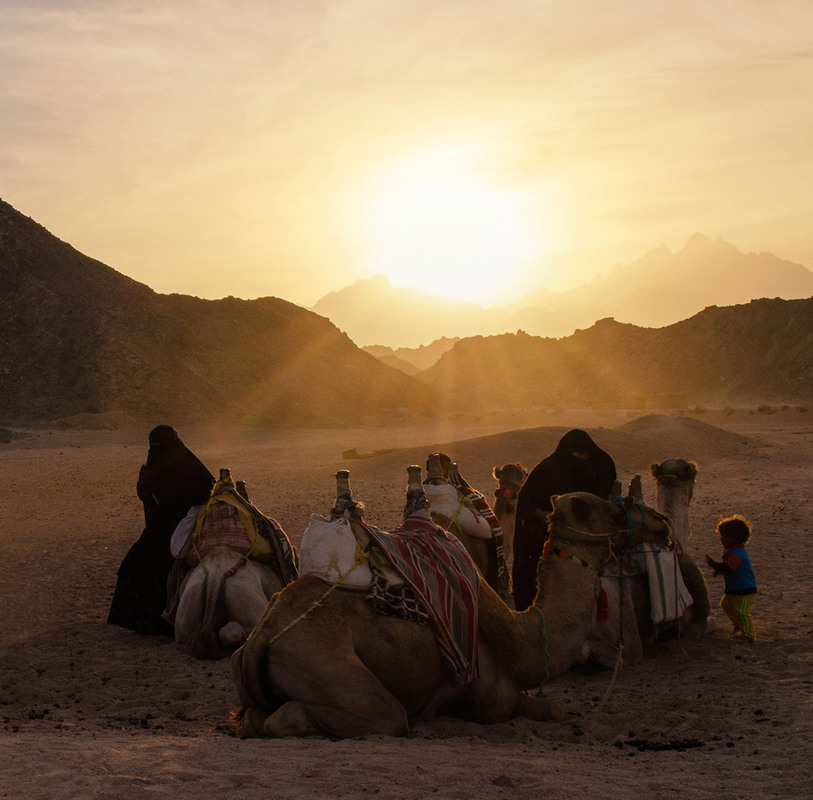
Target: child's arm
x=717, y=567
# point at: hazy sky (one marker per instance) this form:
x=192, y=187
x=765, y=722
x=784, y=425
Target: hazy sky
x=290, y=147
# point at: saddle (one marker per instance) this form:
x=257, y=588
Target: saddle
x=338, y=551
x=230, y=519
x=429, y=569
x=668, y=595
x=451, y=504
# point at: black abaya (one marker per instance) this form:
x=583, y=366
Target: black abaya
x=172, y=480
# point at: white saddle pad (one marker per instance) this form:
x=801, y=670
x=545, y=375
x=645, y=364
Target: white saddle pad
x=330, y=550
x=444, y=501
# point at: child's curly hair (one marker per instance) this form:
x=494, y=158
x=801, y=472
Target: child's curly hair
x=736, y=527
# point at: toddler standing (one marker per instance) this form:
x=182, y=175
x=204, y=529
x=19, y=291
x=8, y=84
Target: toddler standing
x=736, y=569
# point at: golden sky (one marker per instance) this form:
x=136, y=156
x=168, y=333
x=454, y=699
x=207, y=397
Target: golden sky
x=480, y=148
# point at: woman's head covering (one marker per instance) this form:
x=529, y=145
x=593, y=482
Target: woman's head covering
x=163, y=435
x=576, y=441
x=173, y=470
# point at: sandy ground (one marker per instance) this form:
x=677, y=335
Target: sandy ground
x=88, y=710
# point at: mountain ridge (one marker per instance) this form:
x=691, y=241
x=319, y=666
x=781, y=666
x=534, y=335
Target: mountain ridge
x=754, y=352
x=85, y=346
x=657, y=289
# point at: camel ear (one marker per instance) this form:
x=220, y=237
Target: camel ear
x=693, y=469
x=496, y=472
x=655, y=470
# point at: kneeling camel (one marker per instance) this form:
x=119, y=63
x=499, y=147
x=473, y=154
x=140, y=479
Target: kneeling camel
x=321, y=661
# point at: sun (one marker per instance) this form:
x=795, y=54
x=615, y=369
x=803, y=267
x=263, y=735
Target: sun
x=441, y=227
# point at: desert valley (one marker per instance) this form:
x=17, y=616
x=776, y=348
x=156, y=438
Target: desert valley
x=90, y=710
x=255, y=255
x=92, y=360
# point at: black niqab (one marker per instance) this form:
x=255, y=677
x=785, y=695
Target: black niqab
x=560, y=473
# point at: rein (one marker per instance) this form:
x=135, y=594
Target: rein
x=229, y=573
x=361, y=558
x=548, y=550
x=619, y=501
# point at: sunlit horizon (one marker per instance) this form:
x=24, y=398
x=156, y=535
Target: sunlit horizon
x=439, y=223
x=291, y=149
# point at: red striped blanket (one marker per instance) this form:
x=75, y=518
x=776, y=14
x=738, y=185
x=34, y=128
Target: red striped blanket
x=436, y=565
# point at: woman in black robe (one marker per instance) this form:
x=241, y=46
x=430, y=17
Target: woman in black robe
x=172, y=480
x=577, y=465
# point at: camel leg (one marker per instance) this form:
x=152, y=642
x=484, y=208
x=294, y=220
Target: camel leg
x=334, y=694
x=232, y=635
x=696, y=616
x=348, y=701
x=496, y=698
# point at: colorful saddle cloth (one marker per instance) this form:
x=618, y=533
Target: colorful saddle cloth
x=440, y=571
x=229, y=519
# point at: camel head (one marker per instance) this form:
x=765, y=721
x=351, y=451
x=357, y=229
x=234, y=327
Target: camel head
x=675, y=473
x=510, y=477
x=584, y=519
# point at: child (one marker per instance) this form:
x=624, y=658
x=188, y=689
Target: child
x=740, y=583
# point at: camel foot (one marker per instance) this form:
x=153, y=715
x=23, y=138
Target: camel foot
x=251, y=724
x=540, y=709
x=232, y=635
x=301, y=719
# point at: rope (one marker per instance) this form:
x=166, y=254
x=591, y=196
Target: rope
x=616, y=670
x=229, y=573
x=619, y=658
x=540, y=692
x=361, y=557
x=570, y=557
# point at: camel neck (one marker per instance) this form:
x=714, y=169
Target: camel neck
x=566, y=599
x=674, y=503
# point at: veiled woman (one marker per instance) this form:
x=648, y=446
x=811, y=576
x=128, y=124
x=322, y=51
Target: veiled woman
x=577, y=465
x=172, y=480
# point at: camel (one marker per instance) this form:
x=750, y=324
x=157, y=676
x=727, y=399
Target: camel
x=510, y=478
x=227, y=569
x=631, y=625
x=675, y=479
x=221, y=600
x=322, y=662
x=463, y=511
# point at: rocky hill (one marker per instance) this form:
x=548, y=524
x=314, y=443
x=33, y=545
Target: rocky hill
x=412, y=360
x=758, y=352
x=84, y=343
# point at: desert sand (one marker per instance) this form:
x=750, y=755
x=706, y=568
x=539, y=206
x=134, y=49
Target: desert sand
x=88, y=710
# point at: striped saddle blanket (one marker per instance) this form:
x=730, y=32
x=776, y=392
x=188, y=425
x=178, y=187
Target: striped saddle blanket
x=440, y=571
